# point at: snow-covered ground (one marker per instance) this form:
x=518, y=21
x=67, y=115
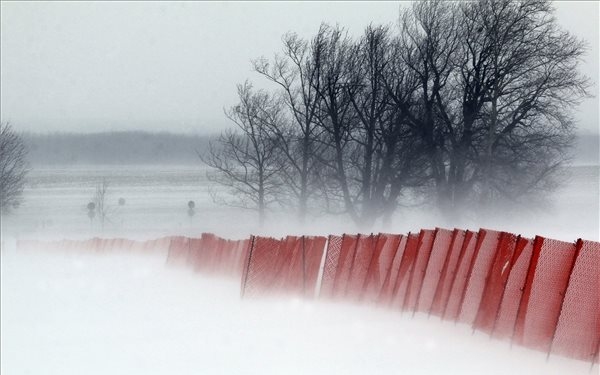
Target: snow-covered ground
x=156, y=199
x=125, y=314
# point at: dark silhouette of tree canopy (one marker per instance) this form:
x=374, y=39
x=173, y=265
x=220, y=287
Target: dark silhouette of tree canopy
x=296, y=74
x=13, y=168
x=501, y=81
x=466, y=105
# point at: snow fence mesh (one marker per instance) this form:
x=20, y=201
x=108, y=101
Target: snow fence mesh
x=386, y=294
x=262, y=275
x=288, y=266
x=539, y=293
x=545, y=287
x=379, y=268
x=435, y=265
x=578, y=330
x=332, y=256
x=458, y=283
x=366, y=247
x=495, y=282
x=483, y=256
x=447, y=274
x=513, y=291
x=401, y=285
x=417, y=275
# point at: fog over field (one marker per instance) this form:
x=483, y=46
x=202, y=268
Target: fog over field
x=141, y=120
x=156, y=205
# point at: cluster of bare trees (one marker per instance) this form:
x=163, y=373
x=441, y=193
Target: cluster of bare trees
x=13, y=168
x=461, y=103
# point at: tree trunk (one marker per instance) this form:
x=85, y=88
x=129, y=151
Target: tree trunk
x=303, y=199
x=261, y=199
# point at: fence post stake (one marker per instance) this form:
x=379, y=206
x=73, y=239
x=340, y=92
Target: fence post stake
x=251, y=244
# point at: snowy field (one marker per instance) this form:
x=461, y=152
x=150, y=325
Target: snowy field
x=156, y=199
x=110, y=314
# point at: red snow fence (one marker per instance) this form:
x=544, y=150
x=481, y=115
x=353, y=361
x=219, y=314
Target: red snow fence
x=209, y=254
x=95, y=245
x=288, y=266
x=540, y=293
x=577, y=331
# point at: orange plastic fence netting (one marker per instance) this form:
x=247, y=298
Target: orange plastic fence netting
x=495, y=282
x=406, y=264
x=95, y=245
x=541, y=293
x=485, y=250
x=417, y=275
x=332, y=256
x=209, y=254
x=442, y=292
x=579, y=322
x=458, y=283
x=378, y=274
x=545, y=286
x=262, y=272
x=386, y=294
x=504, y=324
x=365, y=249
x=314, y=248
x=435, y=265
x=344, y=266
x=289, y=266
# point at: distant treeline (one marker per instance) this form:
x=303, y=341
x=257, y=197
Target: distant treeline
x=129, y=147
x=139, y=147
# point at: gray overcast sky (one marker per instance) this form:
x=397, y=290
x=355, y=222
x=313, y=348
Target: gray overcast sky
x=93, y=66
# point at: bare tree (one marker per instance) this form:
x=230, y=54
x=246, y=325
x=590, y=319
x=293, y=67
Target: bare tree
x=246, y=160
x=428, y=40
x=336, y=118
x=370, y=153
x=392, y=84
x=296, y=74
x=386, y=158
x=13, y=168
x=532, y=84
x=370, y=103
x=497, y=81
x=470, y=103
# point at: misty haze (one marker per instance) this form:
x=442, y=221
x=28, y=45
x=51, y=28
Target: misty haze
x=153, y=154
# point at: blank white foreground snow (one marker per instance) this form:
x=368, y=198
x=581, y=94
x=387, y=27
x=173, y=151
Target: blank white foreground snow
x=125, y=314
